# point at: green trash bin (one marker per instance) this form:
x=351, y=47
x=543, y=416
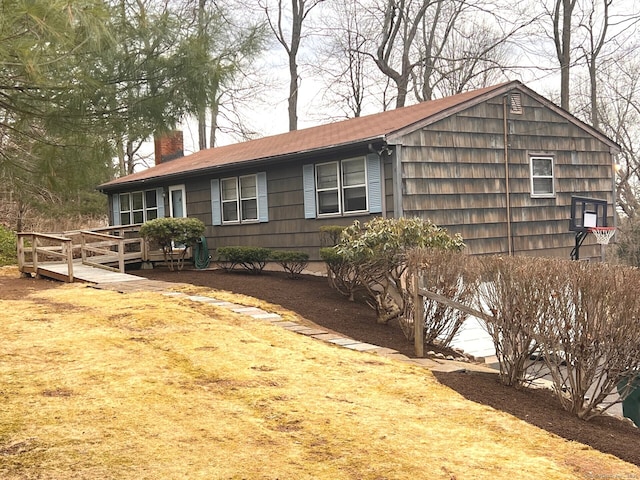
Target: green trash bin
x=631, y=404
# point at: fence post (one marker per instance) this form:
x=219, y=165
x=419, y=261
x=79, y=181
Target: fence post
x=418, y=316
x=121, y=254
x=34, y=254
x=69, y=246
x=21, y=260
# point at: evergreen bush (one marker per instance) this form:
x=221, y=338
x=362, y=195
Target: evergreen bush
x=8, y=247
x=252, y=259
x=171, y=233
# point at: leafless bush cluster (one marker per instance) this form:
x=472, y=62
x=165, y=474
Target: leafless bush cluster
x=446, y=273
x=511, y=294
x=581, y=319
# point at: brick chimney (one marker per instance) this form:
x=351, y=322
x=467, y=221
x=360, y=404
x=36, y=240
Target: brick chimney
x=169, y=146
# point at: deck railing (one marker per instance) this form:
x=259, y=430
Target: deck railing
x=105, y=249
x=42, y=248
x=102, y=247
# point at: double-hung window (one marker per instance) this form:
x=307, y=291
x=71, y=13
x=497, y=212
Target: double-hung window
x=138, y=207
x=542, y=181
x=344, y=187
x=341, y=187
x=240, y=199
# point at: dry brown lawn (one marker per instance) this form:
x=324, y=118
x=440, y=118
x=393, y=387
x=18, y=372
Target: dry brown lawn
x=97, y=384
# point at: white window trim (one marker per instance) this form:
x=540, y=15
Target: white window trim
x=341, y=188
x=172, y=189
x=360, y=185
x=238, y=201
x=241, y=199
x=131, y=210
x=235, y=200
x=551, y=194
x=322, y=190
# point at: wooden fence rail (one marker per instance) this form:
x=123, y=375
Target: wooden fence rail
x=59, y=250
x=101, y=247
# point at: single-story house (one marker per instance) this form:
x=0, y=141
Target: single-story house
x=499, y=165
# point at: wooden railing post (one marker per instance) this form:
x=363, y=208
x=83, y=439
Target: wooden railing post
x=34, y=255
x=121, y=254
x=418, y=316
x=21, y=260
x=83, y=252
x=68, y=245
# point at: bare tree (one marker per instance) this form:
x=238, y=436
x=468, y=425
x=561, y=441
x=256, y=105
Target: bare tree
x=290, y=41
x=344, y=66
x=619, y=111
x=596, y=38
x=399, y=24
x=562, y=28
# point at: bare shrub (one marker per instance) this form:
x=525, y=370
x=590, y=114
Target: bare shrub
x=447, y=273
x=590, y=333
x=378, y=250
x=512, y=294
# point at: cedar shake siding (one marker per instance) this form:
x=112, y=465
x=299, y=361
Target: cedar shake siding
x=454, y=174
x=442, y=160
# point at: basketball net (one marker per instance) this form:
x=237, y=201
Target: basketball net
x=603, y=234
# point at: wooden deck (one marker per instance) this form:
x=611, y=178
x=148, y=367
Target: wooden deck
x=84, y=273
x=84, y=255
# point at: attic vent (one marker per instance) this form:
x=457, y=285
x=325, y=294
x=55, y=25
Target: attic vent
x=516, y=103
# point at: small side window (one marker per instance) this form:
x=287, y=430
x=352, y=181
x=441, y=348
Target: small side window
x=542, y=180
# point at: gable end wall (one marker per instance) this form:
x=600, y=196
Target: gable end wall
x=453, y=173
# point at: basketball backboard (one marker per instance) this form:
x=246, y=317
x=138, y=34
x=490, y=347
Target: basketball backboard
x=587, y=213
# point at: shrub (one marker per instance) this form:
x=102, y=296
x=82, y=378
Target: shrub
x=169, y=233
x=450, y=274
x=292, y=262
x=593, y=324
x=253, y=259
x=8, y=247
x=331, y=234
x=340, y=273
x=377, y=250
x=513, y=293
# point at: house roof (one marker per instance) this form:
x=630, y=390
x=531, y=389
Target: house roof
x=371, y=128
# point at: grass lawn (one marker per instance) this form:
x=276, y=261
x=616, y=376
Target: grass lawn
x=100, y=385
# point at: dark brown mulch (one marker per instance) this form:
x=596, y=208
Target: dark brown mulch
x=312, y=298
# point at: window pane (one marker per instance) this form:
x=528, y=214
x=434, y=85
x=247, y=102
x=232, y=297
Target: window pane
x=355, y=199
x=542, y=186
x=124, y=219
x=353, y=172
x=138, y=217
x=229, y=189
x=229, y=212
x=124, y=203
x=327, y=175
x=248, y=187
x=136, y=200
x=542, y=167
x=328, y=202
x=152, y=214
x=250, y=209
x=150, y=198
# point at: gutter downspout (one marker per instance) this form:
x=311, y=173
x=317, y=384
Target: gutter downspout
x=506, y=173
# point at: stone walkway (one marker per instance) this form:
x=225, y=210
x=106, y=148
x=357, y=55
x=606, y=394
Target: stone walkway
x=140, y=285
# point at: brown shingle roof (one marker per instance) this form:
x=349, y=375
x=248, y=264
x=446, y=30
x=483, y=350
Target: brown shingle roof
x=355, y=130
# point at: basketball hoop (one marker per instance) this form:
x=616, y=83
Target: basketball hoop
x=603, y=234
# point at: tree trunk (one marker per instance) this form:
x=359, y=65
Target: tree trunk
x=202, y=129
